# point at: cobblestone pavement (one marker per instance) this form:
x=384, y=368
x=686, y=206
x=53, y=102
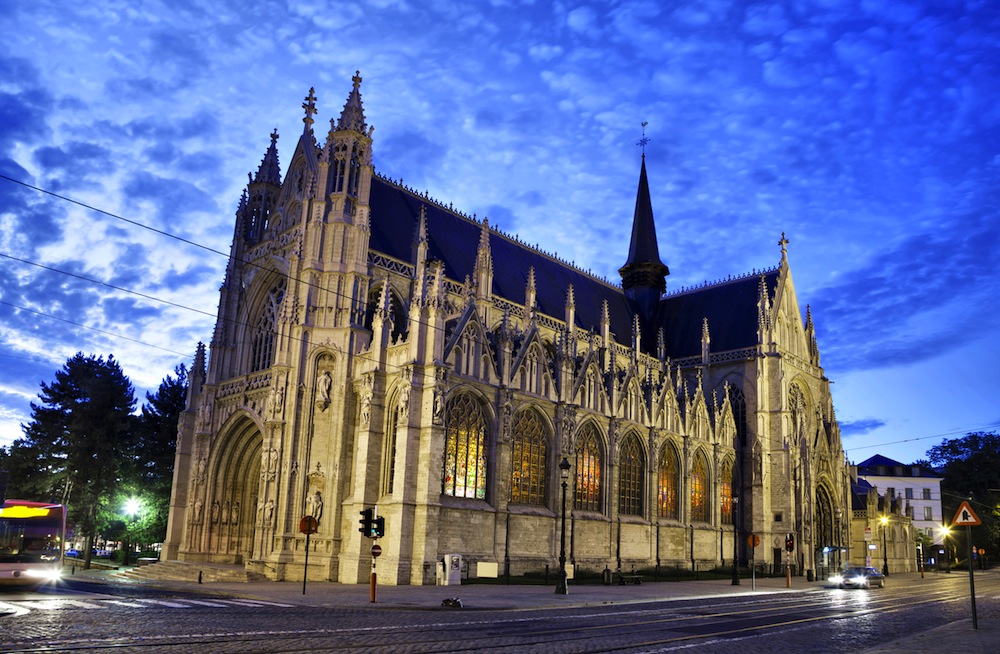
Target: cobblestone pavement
x=957, y=636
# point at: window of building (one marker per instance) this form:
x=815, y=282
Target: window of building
x=666, y=492
x=699, y=490
x=928, y=513
x=739, y=404
x=529, y=447
x=926, y=494
x=262, y=345
x=909, y=493
x=726, y=487
x=389, y=451
x=465, y=449
x=630, y=477
x=589, y=461
x=890, y=492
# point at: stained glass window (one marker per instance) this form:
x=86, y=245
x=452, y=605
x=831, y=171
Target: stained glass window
x=389, y=453
x=589, y=461
x=262, y=346
x=666, y=501
x=530, y=448
x=726, y=485
x=630, y=477
x=739, y=404
x=465, y=449
x=699, y=490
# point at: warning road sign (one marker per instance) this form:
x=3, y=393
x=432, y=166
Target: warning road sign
x=965, y=516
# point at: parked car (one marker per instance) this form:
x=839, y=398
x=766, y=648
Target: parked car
x=73, y=553
x=859, y=577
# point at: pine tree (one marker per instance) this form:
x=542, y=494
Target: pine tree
x=80, y=434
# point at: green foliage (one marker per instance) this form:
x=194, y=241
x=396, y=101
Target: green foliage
x=971, y=467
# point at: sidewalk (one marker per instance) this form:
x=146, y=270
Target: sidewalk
x=954, y=637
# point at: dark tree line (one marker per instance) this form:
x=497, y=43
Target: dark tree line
x=86, y=447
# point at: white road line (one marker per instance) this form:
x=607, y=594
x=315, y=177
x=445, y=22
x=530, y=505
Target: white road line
x=173, y=605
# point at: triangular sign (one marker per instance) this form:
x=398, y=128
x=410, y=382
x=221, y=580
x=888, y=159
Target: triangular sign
x=965, y=516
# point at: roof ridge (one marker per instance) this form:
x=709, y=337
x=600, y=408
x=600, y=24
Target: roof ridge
x=729, y=279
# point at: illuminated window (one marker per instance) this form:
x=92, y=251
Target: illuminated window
x=699, y=490
x=589, y=460
x=262, y=346
x=630, y=477
x=666, y=492
x=530, y=448
x=726, y=485
x=465, y=449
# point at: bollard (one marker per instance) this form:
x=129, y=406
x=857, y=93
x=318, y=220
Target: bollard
x=199, y=576
x=546, y=574
x=72, y=570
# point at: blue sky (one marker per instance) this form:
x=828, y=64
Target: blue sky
x=868, y=131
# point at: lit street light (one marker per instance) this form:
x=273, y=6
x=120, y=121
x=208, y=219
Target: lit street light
x=561, y=588
x=131, y=510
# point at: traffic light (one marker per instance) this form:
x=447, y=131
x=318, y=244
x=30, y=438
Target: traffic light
x=367, y=521
x=790, y=542
x=378, y=529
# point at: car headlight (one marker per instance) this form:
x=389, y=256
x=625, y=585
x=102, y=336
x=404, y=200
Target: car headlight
x=836, y=579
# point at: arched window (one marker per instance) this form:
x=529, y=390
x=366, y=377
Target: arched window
x=589, y=461
x=797, y=405
x=389, y=449
x=262, y=345
x=739, y=404
x=630, y=477
x=530, y=449
x=666, y=491
x=699, y=490
x=726, y=487
x=464, y=449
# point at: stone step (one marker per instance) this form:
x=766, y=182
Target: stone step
x=182, y=571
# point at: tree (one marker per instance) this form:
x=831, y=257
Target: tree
x=153, y=452
x=80, y=433
x=971, y=467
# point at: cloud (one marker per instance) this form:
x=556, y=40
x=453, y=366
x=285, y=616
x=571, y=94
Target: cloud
x=860, y=427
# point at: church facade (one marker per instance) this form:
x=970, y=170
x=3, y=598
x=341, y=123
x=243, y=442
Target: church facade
x=377, y=349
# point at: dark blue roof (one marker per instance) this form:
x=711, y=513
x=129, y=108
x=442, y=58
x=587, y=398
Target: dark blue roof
x=730, y=306
x=893, y=468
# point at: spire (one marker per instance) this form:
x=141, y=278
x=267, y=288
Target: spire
x=706, y=342
x=784, y=248
x=353, y=116
x=269, y=171
x=529, y=291
x=570, y=310
x=482, y=271
x=310, y=106
x=644, y=275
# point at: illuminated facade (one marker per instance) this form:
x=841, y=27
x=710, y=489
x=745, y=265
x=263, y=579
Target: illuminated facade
x=376, y=347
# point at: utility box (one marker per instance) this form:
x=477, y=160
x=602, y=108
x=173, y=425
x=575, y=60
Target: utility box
x=450, y=573
x=487, y=570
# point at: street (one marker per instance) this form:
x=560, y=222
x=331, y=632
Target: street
x=85, y=616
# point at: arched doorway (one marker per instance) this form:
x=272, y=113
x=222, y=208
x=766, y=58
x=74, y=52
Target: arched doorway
x=827, y=548
x=233, y=497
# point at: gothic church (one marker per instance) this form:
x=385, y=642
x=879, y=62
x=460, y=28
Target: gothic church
x=376, y=348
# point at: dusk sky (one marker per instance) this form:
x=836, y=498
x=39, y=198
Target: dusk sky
x=868, y=131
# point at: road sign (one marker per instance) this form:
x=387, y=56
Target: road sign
x=753, y=540
x=376, y=549
x=868, y=533
x=308, y=525
x=965, y=516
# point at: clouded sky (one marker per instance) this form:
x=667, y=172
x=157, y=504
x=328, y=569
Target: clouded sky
x=868, y=131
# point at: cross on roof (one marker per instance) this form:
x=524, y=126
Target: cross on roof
x=643, y=141
x=310, y=106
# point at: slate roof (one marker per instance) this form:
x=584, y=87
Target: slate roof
x=730, y=306
x=869, y=467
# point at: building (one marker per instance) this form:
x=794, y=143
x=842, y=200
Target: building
x=916, y=489
x=375, y=347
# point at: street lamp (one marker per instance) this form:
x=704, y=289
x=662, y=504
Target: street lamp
x=736, y=541
x=561, y=588
x=945, y=531
x=131, y=509
x=885, y=553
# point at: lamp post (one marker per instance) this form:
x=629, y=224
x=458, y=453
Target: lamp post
x=736, y=541
x=561, y=588
x=885, y=553
x=131, y=508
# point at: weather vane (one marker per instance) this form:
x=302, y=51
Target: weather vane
x=643, y=141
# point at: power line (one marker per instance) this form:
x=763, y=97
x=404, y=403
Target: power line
x=102, y=331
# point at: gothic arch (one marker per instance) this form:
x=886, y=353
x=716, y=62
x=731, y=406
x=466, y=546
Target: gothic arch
x=589, y=468
x=668, y=481
x=468, y=468
x=531, y=447
x=240, y=465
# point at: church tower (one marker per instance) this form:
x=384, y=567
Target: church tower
x=644, y=275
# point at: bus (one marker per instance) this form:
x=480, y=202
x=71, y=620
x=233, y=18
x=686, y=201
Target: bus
x=31, y=542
